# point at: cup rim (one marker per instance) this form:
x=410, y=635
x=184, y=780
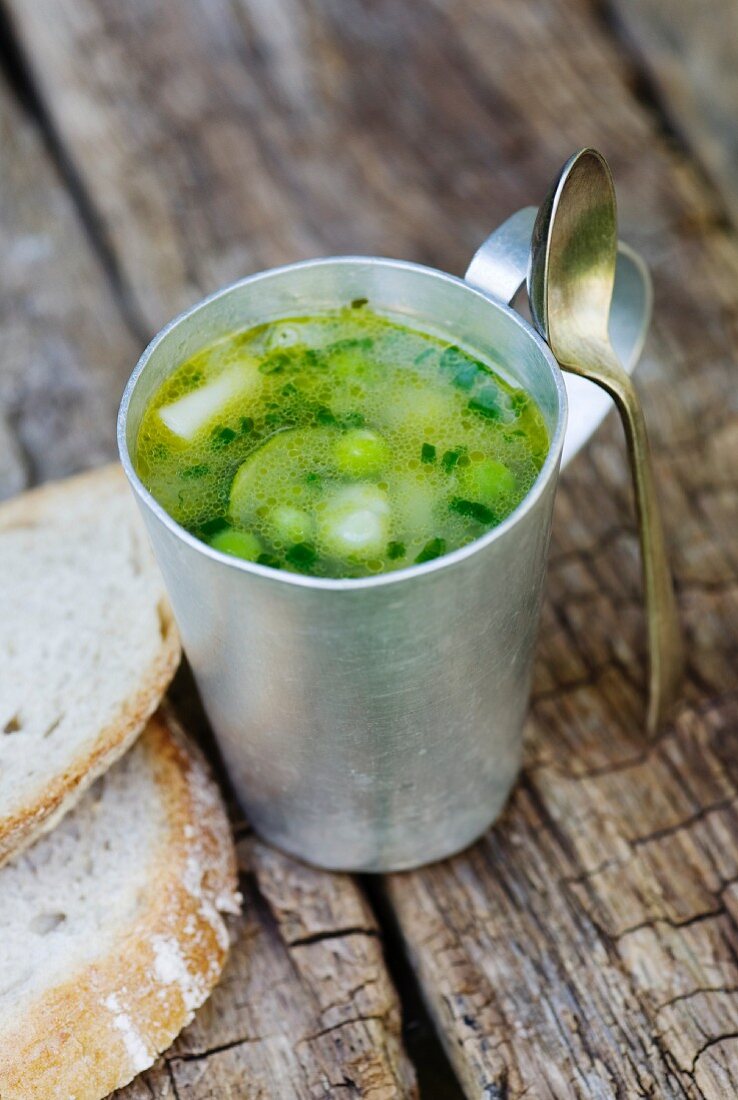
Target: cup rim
x=546, y=473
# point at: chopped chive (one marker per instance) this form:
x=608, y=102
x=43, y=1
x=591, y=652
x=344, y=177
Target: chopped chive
x=452, y=357
x=221, y=437
x=313, y=479
x=431, y=550
x=323, y=415
x=396, y=550
x=360, y=343
x=354, y=420
x=268, y=559
x=289, y=390
x=246, y=425
x=451, y=458
x=466, y=376
x=423, y=355
x=193, y=472
x=159, y=450
x=487, y=403
x=301, y=554
x=274, y=362
x=472, y=509
x=359, y=302
x=213, y=526
x=427, y=453
x=312, y=358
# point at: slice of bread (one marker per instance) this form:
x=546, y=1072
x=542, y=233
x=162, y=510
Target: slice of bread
x=87, y=644
x=112, y=933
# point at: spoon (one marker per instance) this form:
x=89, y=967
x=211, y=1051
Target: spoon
x=570, y=285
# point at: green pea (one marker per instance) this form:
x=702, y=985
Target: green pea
x=291, y=524
x=241, y=544
x=488, y=481
x=361, y=452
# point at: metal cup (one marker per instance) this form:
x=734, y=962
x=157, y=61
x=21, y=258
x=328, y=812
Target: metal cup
x=371, y=724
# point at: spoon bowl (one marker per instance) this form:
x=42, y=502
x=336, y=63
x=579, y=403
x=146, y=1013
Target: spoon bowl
x=570, y=285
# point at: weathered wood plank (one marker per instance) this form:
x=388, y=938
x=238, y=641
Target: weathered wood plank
x=586, y=946
x=65, y=350
x=306, y=1002
x=689, y=54
x=221, y=136
x=305, y=1006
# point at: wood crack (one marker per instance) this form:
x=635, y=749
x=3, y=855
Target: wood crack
x=221, y=1048
x=702, y=989
x=331, y=934
x=711, y=1043
x=337, y=1027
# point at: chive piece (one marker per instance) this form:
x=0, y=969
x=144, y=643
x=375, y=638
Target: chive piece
x=466, y=376
x=302, y=554
x=312, y=358
x=452, y=357
x=193, y=472
x=360, y=343
x=451, y=458
x=423, y=355
x=220, y=437
x=289, y=390
x=487, y=403
x=396, y=550
x=313, y=479
x=274, y=362
x=324, y=415
x=359, y=302
x=268, y=559
x=159, y=450
x=354, y=420
x=431, y=550
x=213, y=526
x=246, y=425
x=472, y=509
x=427, y=453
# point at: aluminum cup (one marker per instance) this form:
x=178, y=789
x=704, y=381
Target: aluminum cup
x=372, y=724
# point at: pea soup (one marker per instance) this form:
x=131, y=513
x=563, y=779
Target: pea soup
x=338, y=445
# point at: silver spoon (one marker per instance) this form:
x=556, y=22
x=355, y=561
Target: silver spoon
x=572, y=274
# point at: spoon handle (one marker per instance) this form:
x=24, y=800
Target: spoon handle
x=666, y=652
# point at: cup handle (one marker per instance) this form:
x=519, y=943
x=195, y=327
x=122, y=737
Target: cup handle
x=500, y=267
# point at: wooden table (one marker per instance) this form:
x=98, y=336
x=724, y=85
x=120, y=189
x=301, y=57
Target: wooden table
x=153, y=150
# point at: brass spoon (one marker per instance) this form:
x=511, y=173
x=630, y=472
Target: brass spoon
x=573, y=254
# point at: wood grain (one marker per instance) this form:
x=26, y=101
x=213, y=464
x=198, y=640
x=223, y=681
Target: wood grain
x=688, y=57
x=586, y=947
x=305, y=1006
x=66, y=351
x=306, y=1003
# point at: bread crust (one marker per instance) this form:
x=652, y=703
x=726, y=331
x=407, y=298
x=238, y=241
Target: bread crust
x=20, y=828
x=96, y=1031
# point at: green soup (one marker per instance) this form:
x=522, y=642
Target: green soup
x=338, y=445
